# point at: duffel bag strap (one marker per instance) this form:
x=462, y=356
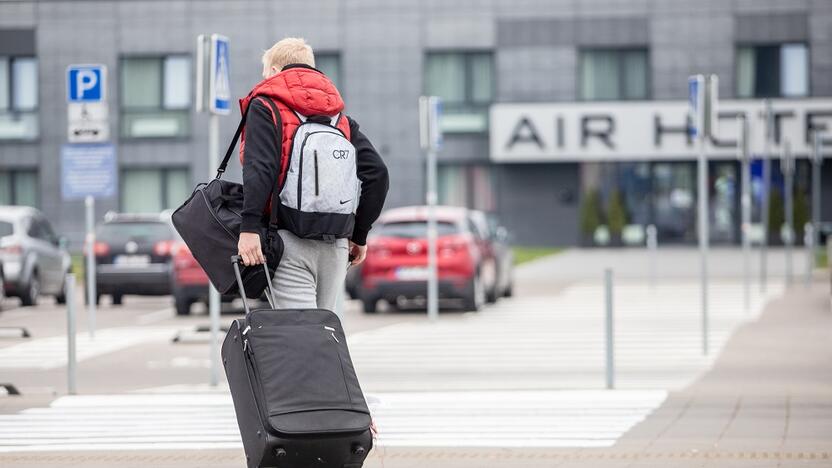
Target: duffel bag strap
x=230, y=151
x=234, y=140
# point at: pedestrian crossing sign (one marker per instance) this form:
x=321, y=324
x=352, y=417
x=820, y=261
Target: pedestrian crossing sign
x=220, y=76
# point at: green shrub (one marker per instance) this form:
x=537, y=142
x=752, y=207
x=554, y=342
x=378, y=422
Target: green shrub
x=616, y=213
x=590, y=212
x=801, y=214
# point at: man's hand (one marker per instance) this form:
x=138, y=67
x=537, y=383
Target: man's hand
x=249, y=249
x=357, y=252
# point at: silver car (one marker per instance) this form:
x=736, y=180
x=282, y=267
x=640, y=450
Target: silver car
x=34, y=260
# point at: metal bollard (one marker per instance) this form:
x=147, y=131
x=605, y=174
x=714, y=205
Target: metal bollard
x=69, y=292
x=809, y=244
x=610, y=355
x=652, y=247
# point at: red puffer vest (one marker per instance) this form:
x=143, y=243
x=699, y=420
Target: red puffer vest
x=297, y=89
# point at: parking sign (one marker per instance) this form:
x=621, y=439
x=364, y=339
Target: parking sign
x=219, y=95
x=86, y=83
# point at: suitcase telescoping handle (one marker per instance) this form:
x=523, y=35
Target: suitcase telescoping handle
x=236, y=260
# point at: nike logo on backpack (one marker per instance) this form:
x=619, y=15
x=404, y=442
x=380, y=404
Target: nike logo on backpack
x=344, y=201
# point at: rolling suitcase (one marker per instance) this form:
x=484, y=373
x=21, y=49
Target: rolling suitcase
x=295, y=391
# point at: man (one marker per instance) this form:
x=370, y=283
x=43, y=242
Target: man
x=314, y=264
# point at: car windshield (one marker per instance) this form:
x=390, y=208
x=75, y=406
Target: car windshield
x=6, y=228
x=415, y=229
x=145, y=231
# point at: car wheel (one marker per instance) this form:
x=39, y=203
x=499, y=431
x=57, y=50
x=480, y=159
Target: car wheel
x=509, y=290
x=60, y=298
x=369, y=305
x=475, y=295
x=87, y=297
x=491, y=296
x=118, y=299
x=30, y=294
x=183, y=305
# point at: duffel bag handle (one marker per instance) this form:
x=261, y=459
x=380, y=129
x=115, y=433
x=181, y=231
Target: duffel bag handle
x=236, y=260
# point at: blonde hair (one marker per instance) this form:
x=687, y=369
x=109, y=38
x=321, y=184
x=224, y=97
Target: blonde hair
x=287, y=51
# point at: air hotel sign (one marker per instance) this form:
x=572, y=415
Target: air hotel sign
x=645, y=130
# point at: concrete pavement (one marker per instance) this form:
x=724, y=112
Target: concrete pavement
x=765, y=403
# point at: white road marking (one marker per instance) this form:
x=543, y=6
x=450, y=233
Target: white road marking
x=199, y=421
x=557, y=341
x=49, y=353
x=153, y=317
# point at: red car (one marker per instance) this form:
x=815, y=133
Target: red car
x=396, y=266
x=190, y=283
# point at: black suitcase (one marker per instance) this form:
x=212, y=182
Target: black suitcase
x=295, y=391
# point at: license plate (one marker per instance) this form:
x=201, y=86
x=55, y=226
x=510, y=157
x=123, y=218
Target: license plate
x=412, y=273
x=131, y=260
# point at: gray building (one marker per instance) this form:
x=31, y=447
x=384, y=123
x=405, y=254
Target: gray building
x=539, y=98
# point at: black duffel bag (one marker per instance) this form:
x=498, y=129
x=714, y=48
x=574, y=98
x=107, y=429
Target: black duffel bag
x=209, y=223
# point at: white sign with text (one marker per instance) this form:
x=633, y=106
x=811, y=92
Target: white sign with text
x=645, y=130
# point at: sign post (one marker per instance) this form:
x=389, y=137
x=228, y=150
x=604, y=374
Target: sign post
x=745, y=203
x=215, y=48
x=88, y=171
x=700, y=111
x=817, y=161
x=766, y=197
x=71, y=361
x=787, y=167
x=430, y=110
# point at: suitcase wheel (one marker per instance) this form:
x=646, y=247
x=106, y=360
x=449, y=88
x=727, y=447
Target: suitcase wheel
x=358, y=449
x=280, y=452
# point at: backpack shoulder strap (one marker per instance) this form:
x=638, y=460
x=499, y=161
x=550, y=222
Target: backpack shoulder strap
x=278, y=141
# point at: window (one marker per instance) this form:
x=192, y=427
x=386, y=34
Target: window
x=155, y=96
x=465, y=82
x=472, y=186
x=153, y=190
x=330, y=65
x=778, y=70
x=18, y=98
x=19, y=187
x=613, y=74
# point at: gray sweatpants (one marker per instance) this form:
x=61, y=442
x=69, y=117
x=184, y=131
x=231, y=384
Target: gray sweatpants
x=311, y=273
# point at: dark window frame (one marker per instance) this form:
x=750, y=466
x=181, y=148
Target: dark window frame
x=165, y=173
x=123, y=110
x=336, y=54
x=12, y=172
x=466, y=55
x=10, y=86
x=755, y=45
x=648, y=84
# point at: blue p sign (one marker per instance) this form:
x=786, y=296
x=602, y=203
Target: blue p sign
x=85, y=83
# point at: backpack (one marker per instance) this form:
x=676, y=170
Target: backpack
x=320, y=190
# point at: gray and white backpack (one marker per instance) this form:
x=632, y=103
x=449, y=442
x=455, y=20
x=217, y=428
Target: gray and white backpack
x=321, y=189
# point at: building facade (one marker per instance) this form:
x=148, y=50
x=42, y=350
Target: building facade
x=559, y=115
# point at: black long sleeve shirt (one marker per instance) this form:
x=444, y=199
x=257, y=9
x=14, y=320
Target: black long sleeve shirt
x=261, y=167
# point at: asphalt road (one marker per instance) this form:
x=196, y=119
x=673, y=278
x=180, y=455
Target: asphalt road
x=133, y=348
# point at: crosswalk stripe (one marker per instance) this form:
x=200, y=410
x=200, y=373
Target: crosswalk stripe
x=198, y=421
x=51, y=352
